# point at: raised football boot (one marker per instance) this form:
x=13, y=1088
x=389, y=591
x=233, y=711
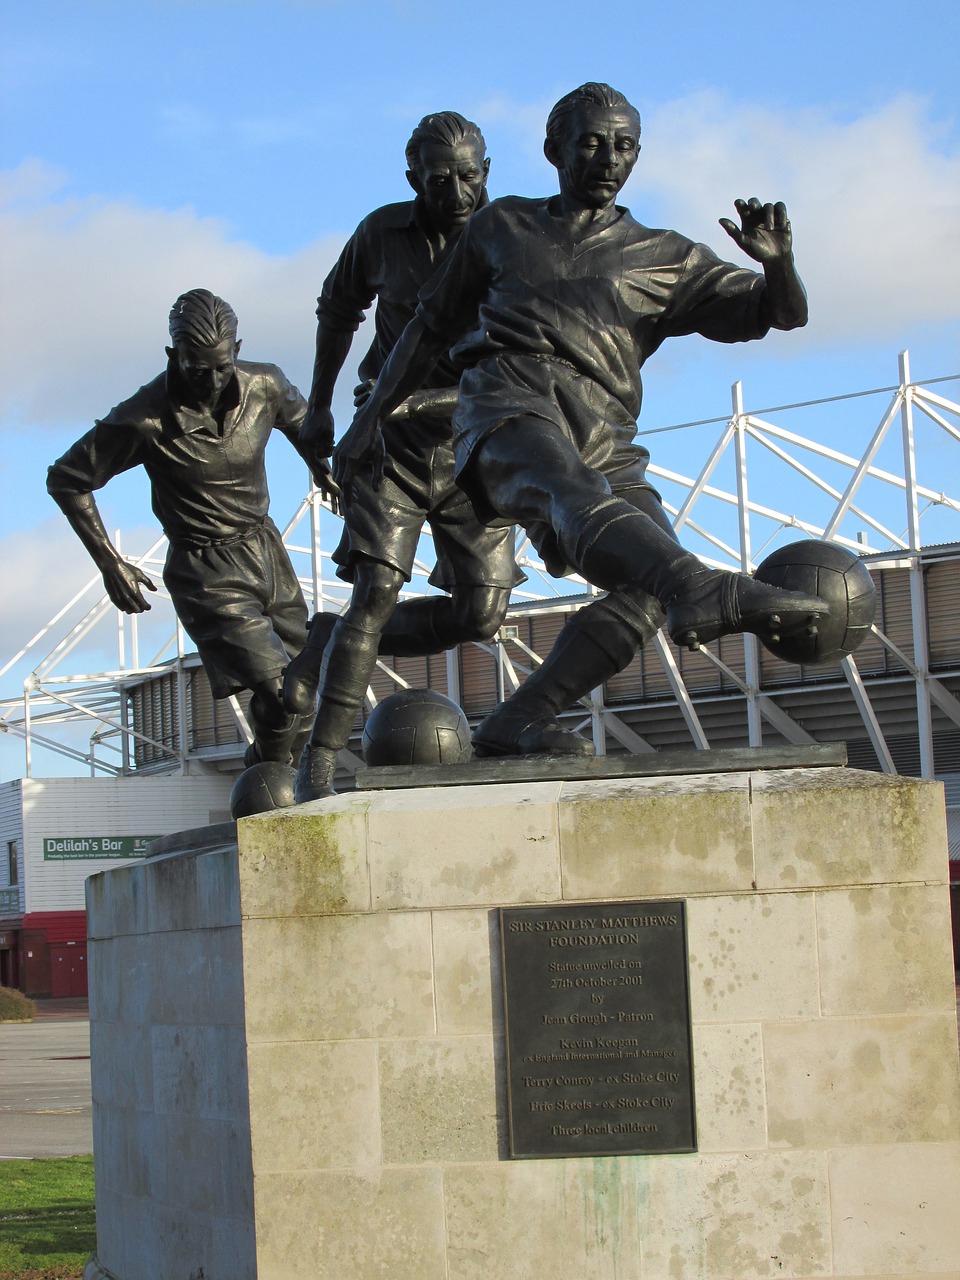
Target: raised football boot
x=710, y=603
x=617, y=547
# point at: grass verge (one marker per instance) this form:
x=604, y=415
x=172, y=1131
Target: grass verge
x=47, y=1228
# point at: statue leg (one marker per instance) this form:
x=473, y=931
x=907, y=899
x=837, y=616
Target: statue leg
x=383, y=526
x=436, y=623
x=701, y=604
x=597, y=642
x=301, y=679
x=348, y=665
x=415, y=628
x=529, y=471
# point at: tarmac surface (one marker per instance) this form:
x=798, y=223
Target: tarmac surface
x=45, y=1104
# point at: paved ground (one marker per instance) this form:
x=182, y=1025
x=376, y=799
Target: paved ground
x=59, y=1010
x=45, y=1107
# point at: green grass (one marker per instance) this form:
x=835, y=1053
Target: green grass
x=46, y=1218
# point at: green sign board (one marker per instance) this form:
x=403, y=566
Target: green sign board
x=85, y=848
x=9, y=901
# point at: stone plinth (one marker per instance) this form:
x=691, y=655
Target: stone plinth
x=371, y=1043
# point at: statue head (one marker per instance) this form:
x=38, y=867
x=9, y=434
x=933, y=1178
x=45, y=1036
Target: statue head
x=447, y=168
x=203, y=329
x=593, y=140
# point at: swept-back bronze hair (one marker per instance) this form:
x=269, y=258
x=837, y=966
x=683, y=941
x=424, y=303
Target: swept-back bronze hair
x=591, y=94
x=202, y=319
x=443, y=129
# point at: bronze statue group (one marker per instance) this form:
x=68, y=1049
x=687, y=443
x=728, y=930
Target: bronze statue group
x=502, y=387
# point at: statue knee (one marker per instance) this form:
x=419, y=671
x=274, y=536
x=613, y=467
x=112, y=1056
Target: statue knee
x=480, y=612
x=376, y=589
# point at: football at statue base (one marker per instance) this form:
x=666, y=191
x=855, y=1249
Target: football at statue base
x=839, y=578
x=261, y=788
x=416, y=726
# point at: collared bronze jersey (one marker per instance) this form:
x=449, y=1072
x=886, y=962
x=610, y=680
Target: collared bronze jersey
x=227, y=570
x=206, y=486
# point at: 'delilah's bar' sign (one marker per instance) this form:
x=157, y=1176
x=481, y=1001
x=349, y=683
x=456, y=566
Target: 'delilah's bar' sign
x=73, y=848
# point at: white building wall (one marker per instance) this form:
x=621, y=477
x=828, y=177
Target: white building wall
x=94, y=808
x=11, y=828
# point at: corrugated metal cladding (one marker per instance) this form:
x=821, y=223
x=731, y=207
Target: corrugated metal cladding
x=211, y=720
x=58, y=926
x=953, y=842
x=428, y=672
x=11, y=830
x=153, y=710
x=943, y=612
x=153, y=707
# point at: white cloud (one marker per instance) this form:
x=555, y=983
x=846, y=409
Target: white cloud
x=88, y=284
x=44, y=568
x=32, y=180
x=522, y=122
x=874, y=202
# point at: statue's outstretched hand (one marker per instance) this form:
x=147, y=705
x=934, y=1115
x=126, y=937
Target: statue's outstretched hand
x=123, y=582
x=361, y=446
x=764, y=231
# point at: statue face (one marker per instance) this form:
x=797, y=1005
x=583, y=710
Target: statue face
x=597, y=154
x=206, y=370
x=451, y=182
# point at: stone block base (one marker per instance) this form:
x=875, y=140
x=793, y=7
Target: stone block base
x=339, y=1111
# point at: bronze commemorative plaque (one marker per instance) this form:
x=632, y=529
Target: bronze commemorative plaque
x=597, y=1006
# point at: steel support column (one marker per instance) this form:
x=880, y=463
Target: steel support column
x=921, y=649
x=751, y=649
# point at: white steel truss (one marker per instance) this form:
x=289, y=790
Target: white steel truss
x=879, y=495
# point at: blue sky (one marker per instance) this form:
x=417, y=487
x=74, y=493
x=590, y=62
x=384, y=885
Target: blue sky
x=146, y=148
